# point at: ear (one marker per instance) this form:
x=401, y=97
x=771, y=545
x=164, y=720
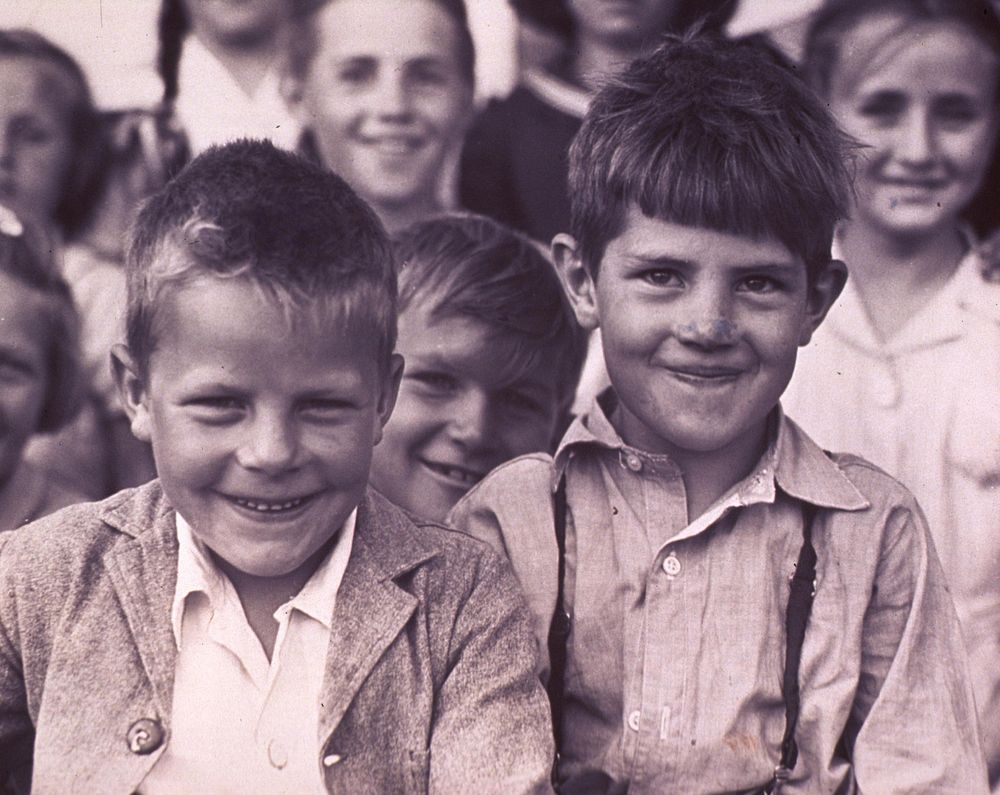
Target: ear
x=577, y=282
x=292, y=88
x=132, y=389
x=824, y=289
x=388, y=392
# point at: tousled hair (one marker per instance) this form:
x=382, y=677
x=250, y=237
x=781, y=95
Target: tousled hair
x=85, y=179
x=23, y=259
x=838, y=18
x=293, y=229
x=461, y=264
x=303, y=39
x=711, y=133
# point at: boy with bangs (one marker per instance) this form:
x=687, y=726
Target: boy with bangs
x=257, y=620
x=493, y=354
x=726, y=607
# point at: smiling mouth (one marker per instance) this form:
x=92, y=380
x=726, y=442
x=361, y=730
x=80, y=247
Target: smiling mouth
x=704, y=376
x=458, y=476
x=269, y=506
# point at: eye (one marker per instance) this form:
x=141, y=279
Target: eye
x=215, y=409
x=661, y=277
x=356, y=72
x=31, y=132
x=955, y=112
x=435, y=383
x=759, y=285
x=523, y=402
x=427, y=75
x=883, y=108
x=323, y=408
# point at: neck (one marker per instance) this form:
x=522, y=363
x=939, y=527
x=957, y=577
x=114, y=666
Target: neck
x=261, y=596
x=247, y=63
x=398, y=216
x=594, y=59
x=895, y=275
x=707, y=475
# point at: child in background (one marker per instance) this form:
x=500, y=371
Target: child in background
x=219, y=62
x=906, y=370
x=726, y=607
x=514, y=162
x=384, y=88
x=40, y=378
x=492, y=353
x=257, y=620
x=54, y=154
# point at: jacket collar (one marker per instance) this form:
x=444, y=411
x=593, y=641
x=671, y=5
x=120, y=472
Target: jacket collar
x=801, y=468
x=371, y=609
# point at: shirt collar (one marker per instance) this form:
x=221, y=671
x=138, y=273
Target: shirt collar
x=793, y=462
x=197, y=573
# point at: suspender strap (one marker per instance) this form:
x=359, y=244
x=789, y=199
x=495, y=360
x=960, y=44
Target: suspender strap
x=560, y=625
x=800, y=599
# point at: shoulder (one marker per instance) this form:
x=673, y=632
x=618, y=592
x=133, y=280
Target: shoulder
x=516, y=484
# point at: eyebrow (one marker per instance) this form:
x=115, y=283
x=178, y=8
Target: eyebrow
x=641, y=260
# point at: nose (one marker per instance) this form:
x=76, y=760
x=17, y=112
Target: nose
x=391, y=99
x=470, y=419
x=708, y=323
x=916, y=144
x=271, y=445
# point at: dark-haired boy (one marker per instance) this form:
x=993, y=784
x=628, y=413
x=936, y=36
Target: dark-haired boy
x=256, y=620
x=706, y=183
x=493, y=354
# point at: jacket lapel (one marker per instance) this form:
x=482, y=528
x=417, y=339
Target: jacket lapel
x=371, y=610
x=142, y=567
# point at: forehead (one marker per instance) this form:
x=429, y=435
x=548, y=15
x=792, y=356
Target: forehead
x=430, y=337
x=885, y=51
x=236, y=329
x=644, y=239
x=29, y=84
x=390, y=30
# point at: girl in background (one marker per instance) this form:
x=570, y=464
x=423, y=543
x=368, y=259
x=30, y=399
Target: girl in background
x=906, y=368
x=56, y=170
x=40, y=378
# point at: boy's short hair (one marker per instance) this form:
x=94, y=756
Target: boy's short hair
x=22, y=258
x=711, y=133
x=461, y=264
x=251, y=210
x=302, y=42
x=85, y=180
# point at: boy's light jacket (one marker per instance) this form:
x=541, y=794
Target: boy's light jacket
x=430, y=682
x=677, y=645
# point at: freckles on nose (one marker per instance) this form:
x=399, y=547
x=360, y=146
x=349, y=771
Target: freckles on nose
x=718, y=329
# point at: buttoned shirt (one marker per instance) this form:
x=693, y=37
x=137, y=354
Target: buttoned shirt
x=676, y=652
x=242, y=724
x=925, y=406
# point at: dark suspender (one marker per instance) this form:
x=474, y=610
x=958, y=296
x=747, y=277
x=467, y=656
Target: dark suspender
x=800, y=598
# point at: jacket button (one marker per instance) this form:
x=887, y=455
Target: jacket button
x=145, y=736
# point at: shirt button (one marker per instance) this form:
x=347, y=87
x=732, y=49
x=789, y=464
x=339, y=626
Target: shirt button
x=671, y=565
x=633, y=462
x=277, y=755
x=633, y=720
x=145, y=736
x=330, y=760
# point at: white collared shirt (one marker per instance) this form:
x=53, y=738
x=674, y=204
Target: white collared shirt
x=241, y=724
x=213, y=109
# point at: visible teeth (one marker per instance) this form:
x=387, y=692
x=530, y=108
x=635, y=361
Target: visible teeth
x=266, y=507
x=461, y=475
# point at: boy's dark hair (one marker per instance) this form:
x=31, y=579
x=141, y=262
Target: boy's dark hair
x=472, y=266
x=711, y=133
x=837, y=18
x=22, y=259
x=303, y=41
x=297, y=231
x=84, y=181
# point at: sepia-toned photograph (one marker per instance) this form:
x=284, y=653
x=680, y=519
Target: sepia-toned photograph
x=467, y=397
